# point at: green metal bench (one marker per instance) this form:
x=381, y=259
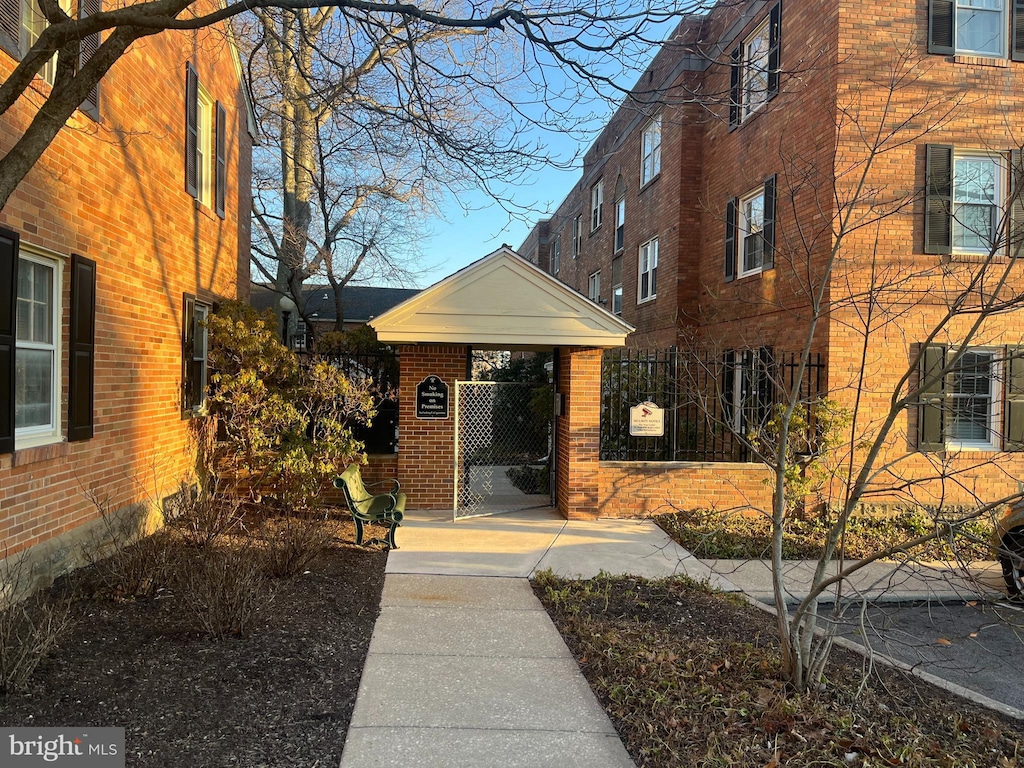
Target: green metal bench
x=382, y=508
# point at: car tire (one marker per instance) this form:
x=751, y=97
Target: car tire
x=1011, y=558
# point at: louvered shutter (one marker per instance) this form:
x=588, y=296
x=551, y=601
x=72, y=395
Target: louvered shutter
x=222, y=163
x=768, y=232
x=735, y=82
x=10, y=26
x=82, y=352
x=191, y=131
x=1016, y=245
x=730, y=239
x=1013, y=439
x=774, y=48
x=187, y=351
x=1017, y=47
x=941, y=26
x=8, y=339
x=931, y=399
x=938, y=213
x=90, y=44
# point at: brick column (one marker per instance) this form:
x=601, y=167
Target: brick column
x=426, y=447
x=579, y=432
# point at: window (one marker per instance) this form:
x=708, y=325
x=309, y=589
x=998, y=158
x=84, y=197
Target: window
x=650, y=164
x=577, y=236
x=194, y=354
x=617, y=285
x=754, y=69
x=594, y=288
x=596, y=203
x=962, y=399
x=620, y=223
x=37, y=358
x=965, y=196
x=750, y=232
x=556, y=255
x=751, y=229
x=205, y=145
x=647, y=287
x=747, y=389
x=973, y=27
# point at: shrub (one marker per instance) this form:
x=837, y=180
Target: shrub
x=29, y=630
x=223, y=588
x=293, y=544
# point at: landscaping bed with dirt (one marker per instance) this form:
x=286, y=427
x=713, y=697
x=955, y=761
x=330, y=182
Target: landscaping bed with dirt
x=202, y=670
x=690, y=677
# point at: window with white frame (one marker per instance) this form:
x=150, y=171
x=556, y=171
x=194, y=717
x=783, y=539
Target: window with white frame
x=620, y=223
x=617, y=285
x=963, y=398
x=974, y=398
x=37, y=373
x=577, y=236
x=977, y=201
x=981, y=27
x=556, y=255
x=650, y=164
x=755, y=69
x=596, y=205
x=194, y=354
x=594, y=287
x=751, y=229
x=32, y=25
x=647, y=282
x=204, y=148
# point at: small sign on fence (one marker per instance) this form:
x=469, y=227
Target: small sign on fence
x=432, y=398
x=646, y=420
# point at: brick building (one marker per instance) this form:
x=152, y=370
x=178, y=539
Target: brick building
x=837, y=174
x=112, y=251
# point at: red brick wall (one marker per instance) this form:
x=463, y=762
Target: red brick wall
x=579, y=432
x=114, y=192
x=426, y=447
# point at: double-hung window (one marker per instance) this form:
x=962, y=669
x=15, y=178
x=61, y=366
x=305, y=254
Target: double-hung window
x=594, y=287
x=975, y=27
x=205, y=145
x=617, y=285
x=194, y=350
x=752, y=233
x=37, y=361
x=556, y=255
x=963, y=398
x=647, y=283
x=596, y=204
x=747, y=389
x=650, y=163
x=754, y=68
x=620, y=224
x=577, y=236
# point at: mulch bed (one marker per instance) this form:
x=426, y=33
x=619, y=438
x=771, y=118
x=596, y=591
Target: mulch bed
x=691, y=677
x=282, y=695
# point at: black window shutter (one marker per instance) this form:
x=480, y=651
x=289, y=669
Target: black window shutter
x=8, y=320
x=768, y=232
x=90, y=44
x=1017, y=47
x=1017, y=203
x=82, y=352
x=931, y=399
x=941, y=17
x=730, y=239
x=938, y=199
x=10, y=26
x=774, y=47
x=187, y=351
x=191, y=131
x=1013, y=439
x=735, y=81
x=222, y=162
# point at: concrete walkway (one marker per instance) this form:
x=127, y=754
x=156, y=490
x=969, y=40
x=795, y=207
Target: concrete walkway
x=466, y=669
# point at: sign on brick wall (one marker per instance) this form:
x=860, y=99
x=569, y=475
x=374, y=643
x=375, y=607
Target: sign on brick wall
x=646, y=420
x=432, y=398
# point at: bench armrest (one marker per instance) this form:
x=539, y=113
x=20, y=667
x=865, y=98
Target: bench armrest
x=394, y=483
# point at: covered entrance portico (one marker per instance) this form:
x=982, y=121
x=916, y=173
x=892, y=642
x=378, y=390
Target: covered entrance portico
x=501, y=302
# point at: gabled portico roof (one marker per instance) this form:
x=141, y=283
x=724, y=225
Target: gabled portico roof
x=501, y=301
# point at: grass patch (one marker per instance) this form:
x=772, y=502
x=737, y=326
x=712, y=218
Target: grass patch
x=734, y=536
x=689, y=677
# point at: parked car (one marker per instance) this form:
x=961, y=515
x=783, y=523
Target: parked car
x=1008, y=542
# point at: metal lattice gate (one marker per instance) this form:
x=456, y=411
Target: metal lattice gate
x=502, y=447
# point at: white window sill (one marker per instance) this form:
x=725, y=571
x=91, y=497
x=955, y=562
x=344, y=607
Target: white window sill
x=751, y=273
x=25, y=442
x=966, y=447
x=648, y=300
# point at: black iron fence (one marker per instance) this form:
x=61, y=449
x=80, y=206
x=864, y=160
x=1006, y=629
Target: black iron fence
x=712, y=401
x=380, y=370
